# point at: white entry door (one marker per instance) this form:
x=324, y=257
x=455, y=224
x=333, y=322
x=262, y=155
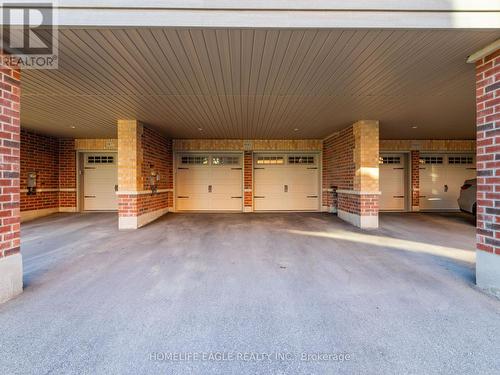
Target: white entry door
x=209, y=182
x=100, y=179
x=441, y=177
x=286, y=182
x=392, y=182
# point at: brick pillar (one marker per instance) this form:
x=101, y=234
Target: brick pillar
x=415, y=180
x=67, y=175
x=488, y=171
x=248, y=181
x=141, y=152
x=11, y=268
x=356, y=157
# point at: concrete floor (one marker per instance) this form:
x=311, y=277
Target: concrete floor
x=400, y=299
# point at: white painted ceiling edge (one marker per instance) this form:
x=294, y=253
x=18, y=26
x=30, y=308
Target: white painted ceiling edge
x=393, y=14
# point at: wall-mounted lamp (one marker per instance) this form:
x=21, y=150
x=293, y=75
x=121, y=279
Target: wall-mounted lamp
x=31, y=183
x=154, y=177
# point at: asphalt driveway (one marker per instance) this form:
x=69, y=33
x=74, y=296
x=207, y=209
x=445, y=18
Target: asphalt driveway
x=250, y=293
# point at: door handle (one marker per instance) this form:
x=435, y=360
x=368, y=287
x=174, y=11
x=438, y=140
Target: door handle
x=236, y=197
x=116, y=187
x=285, y=188
x=182, y=196
x=398, y=196
x=312, y=196
x=89, y=196
x=445, y=188
x=209, y=188
x=259, y=196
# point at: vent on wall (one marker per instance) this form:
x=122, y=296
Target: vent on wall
x=100, y=159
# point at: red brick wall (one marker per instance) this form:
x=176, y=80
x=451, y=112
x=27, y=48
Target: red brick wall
x=54, y=161
x=248, y=179
x=10, y=128
x=488, y=153
x=67, y=173
x=157, y=154
x=415, y=178
x=364, y=205
x=338, y=164
x=136, y=205
x=39, y=153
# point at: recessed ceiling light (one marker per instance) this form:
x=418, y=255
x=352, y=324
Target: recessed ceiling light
x=414, y=126
x=72, y=126
x=200, y=129
x=296, y=129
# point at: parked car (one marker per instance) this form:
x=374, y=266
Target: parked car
x=467, y=199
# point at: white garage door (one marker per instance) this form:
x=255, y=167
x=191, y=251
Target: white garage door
x=100, y=180
x=392, y=182
x=441, y=177
x=286, y=182
x=209, y=182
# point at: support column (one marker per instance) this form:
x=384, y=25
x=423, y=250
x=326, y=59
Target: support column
x=11, y=267
x=144, y=174
x=351, y=168
x=488, y=167
x=248, y=181
x=415, y=180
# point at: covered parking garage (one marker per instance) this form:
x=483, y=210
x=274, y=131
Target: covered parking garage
x=254, y=107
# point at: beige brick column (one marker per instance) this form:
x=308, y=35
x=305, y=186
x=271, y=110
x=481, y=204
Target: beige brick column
x=129, y=156
x=359, y=205
x=142, y=153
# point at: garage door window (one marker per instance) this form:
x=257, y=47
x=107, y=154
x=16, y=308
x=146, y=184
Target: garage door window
x=100, y=159
x=194, y=159
x=460, y=159
x=270, y=160
x=301, y=159
x=390, y=160
x=431, y=160
x=225, y=160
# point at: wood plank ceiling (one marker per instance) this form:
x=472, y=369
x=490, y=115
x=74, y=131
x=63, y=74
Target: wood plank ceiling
x=257, y=83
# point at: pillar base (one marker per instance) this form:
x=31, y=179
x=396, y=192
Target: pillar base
x=11, y=277
x=488, y=271
x=360, y=221
x=135, y=222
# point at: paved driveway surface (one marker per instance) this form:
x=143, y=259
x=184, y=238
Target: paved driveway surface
x=400, y=299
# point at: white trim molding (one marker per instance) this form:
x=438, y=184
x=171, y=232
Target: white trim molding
x=390, y=14
x=488, y=50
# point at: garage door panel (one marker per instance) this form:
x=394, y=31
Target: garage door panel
x=213, y=186
x=292, y=185
x=441, y=177
x=99, y=181
x=197, y=202
x=392, y=182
